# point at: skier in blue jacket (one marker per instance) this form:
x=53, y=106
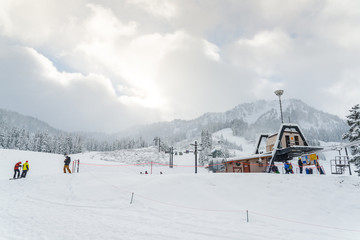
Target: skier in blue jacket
x=286, y=165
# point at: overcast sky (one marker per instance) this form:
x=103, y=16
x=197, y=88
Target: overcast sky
x=107, y=65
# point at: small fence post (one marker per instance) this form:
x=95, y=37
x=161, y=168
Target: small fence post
x=247, y=215
x=132, y=197
x=75, y=166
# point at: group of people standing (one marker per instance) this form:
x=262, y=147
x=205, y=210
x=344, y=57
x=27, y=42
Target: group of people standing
x=288, y=168
x=25, y=169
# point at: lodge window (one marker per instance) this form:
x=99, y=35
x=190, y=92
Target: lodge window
x=297, y=140
x=287, y=139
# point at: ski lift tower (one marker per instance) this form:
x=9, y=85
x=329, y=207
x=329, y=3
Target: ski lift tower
x=196, y=145
x=279, y=93
x=340, y=164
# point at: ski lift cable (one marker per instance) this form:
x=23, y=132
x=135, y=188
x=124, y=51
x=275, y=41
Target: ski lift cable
x=339, y=146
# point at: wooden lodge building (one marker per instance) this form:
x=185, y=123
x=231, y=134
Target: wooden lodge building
x=255, y=163
x=287, y=143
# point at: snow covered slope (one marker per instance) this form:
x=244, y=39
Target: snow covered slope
x=95, y=203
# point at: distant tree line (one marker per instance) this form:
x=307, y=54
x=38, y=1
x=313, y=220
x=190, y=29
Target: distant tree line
x=20, y=139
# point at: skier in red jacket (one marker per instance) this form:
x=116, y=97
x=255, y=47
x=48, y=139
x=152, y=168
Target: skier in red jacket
x=16, y=170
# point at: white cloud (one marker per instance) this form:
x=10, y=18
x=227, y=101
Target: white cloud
x=212, y=50
x=104, y=25
x=175, y=59
x=36, y=22
x=160, y=8
x=5, y=22
x=136, y=61
x=262, y=52
x=344, y=92
x=70, y=101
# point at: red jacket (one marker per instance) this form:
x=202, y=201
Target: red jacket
x=17, y=166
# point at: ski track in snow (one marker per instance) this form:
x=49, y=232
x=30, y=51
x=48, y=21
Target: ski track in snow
x=95, y=203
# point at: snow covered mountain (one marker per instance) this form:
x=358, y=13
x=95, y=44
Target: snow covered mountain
x=249, y=120
x=246, y=120
x=10, y=119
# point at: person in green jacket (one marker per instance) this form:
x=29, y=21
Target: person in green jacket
x=25, y=169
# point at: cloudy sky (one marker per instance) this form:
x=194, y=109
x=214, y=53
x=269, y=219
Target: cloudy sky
x=106, y=65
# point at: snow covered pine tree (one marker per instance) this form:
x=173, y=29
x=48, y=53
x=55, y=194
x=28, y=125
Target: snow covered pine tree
x=353, y=134
x=206, y=145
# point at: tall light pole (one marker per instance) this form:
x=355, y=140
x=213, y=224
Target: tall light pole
x=279, y=93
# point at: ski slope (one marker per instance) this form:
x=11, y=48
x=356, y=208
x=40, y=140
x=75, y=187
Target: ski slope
x=178, y=204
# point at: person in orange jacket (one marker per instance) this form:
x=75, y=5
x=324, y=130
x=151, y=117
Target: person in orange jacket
x=25, y=169
x=16, y=170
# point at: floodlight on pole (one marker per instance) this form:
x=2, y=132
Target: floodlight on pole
x=279, y=93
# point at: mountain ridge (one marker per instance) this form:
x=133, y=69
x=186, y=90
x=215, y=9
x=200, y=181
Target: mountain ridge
x=249, y=120
x=28, y=123
x=246, y=119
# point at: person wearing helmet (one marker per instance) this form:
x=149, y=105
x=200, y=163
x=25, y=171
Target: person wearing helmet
x=16, y=170
x=300, y=163
x=25, y=169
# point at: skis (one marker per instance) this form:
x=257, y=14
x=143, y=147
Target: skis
x=14, y=178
